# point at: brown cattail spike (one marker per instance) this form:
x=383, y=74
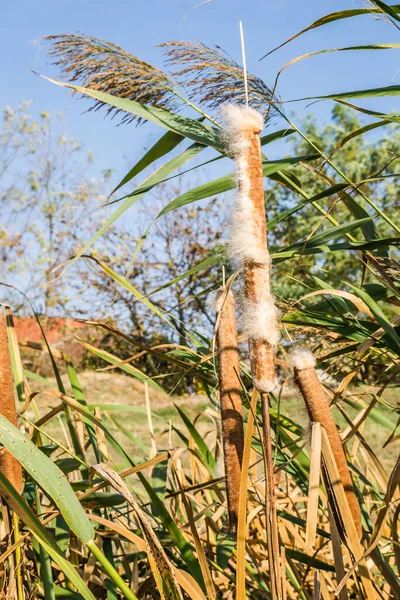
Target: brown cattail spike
x=9, y=465
x=248, y=244
x=319, y=411
x=231, y=400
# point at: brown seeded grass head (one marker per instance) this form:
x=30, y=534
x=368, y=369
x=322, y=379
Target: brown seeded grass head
x=106, y=67
x=9, y=465
x=230, y=399
x=319, y=411
x=209, y=75
x=213, y=78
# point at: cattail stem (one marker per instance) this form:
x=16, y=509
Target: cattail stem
x=9, y=465
x=231, y=401
x=319, y=411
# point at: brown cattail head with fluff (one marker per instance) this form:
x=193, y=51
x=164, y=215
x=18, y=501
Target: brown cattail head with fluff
x=248, y=243
x=231, y=400
x=319, y=411
x=9, y=465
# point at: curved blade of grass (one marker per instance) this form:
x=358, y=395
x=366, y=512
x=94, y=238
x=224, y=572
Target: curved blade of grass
x=390, y=118
x=130, y=200
x=170, y=525
x=159, y=562
x=18, y=505
x=189, y=128
x=389, y=90
x=163, y=146
x=49, y=477
x=130, y=288
x=344, y=49
x=330, y=18
x=204, y=450
x=334, y=189
x=228, y=182
x=113, y=360
x=184, y=579
x=326, y=236
x=378, y=314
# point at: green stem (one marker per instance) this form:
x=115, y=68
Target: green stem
x=111, y=572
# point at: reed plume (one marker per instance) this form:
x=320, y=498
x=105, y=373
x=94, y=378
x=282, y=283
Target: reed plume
x=9, y=465
x=319, y=411
x=105, y=67
x=213, y=78
x=230, y=399
x=248, y=247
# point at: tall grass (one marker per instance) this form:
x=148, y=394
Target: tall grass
x=97, y=517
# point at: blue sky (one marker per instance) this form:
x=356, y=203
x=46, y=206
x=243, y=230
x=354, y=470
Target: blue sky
x=138, y=26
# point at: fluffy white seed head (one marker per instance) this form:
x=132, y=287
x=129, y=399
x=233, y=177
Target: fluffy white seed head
x=266, y=385
x=261, y=321
x=301, y=358
x=243, y=245
x=241, y=118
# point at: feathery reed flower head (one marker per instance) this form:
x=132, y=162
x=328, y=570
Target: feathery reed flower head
x=105, y=67
x=213, y=78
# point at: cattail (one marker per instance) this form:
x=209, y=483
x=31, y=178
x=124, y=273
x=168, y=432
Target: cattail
x=248, y=247
x=230, y=399
x=319, y=411
x=9, y=465
x=248, y=244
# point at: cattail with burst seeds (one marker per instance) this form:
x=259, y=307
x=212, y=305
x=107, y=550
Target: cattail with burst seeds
x=230, y=399
x=9, y=465
x=319, y=411
x=248, y=247
x=248, y=244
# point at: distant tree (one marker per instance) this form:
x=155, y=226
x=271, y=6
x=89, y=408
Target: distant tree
x=375, y=158
x=47, y=206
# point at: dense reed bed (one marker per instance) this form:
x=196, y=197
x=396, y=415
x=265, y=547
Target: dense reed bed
x=280, y=480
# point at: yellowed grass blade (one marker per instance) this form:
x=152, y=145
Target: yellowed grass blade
x=350, y=531
x=313, y=486
x=159, y=562
x=337, y=557
x=185, y=580
x=242, y=512
x=208, y=581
